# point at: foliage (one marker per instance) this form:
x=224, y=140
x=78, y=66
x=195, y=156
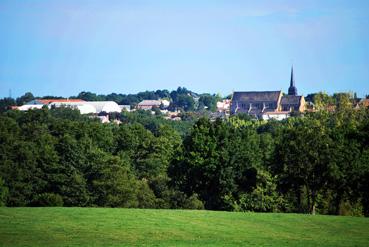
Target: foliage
x=208, y=101
x=47, y=200
x=3, y=193
x=25, y=98
x=6, y=103
x=314, y=163
x=180, y=98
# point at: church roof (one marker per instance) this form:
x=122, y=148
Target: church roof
x=261, y=96
x=290, y=99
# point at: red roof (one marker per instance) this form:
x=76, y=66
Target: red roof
x=47, y=101
x=365, y=102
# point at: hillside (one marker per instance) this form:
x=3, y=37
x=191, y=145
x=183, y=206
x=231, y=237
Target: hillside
x=144, y=227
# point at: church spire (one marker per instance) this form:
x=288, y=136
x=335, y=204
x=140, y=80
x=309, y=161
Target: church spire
x=292, y=90
x=292, y=82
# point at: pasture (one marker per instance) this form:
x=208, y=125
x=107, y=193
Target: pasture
x=149, y=227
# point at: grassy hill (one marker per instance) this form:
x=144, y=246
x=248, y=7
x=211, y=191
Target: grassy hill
x=138, y=227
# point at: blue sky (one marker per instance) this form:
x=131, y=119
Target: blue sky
x=64, y=47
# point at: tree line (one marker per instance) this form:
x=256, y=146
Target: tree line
x=313, y=163
x=180, y=99
x=184, y=100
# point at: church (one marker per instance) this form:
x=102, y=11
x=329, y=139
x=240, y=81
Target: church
x=268, y=104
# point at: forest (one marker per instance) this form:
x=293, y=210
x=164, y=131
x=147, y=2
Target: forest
x=314, y=163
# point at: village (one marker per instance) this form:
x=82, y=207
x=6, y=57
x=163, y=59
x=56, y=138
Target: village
x=184, y=123
x=262, y=105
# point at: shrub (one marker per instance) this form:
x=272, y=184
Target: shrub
x=193, y=202
x=47, y=200
x=3, y=193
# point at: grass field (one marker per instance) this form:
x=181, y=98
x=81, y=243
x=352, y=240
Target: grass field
x=138, y=227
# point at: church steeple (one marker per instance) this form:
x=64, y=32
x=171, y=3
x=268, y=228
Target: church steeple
x=292, y=90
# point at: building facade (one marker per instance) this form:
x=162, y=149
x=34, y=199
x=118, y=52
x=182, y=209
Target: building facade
x=268, y=104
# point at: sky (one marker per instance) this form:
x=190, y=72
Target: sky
x=64, y=47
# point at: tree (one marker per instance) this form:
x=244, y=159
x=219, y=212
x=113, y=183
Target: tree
x=218, y=161
x=163, y=94
x=88, y=96
x=6, y=103
x=360, y=179
x=185, y=102
x=112, y=185
x=3, y=193
x=181, y=99
x=25, y=98
x=208, y=101
x=321, y=100
x=343, y=100
x=305, y=155
x=72, y=185
x=145, y=196
x=263, y=198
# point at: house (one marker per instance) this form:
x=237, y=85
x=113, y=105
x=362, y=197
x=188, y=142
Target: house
x=268, y=104
x=149, y=104
x=125, y=108
x=27, y=107
x=90, y=107
x=48, y=101
x=85, y=107
x=224, y=105
x=165, y=103
x=39, y=103
x=104, y=106
x=104, y=119
x=277, y=115
x=362, y=103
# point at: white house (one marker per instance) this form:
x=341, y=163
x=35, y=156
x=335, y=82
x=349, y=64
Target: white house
x=28, y=107
x=165, y=103
x=104, y=106
x=85, y=107
x=277, y=115
x=224, y=105
x=125, y=107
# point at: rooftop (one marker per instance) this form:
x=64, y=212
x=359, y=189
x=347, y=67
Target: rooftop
x=48, y=101
x=150, y=102
x=260, y=96
x=290, y=99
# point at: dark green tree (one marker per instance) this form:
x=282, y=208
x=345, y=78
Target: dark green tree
x=25, y=98
x=306, y=158
x=6, y=103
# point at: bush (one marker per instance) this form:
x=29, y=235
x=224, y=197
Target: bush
x=145, y=196
x=3, y=193
x=47, y=200
x=264, y=198
x=193, y=202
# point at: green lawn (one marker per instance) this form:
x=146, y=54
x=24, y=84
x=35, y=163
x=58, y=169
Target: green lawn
x=139, y=227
